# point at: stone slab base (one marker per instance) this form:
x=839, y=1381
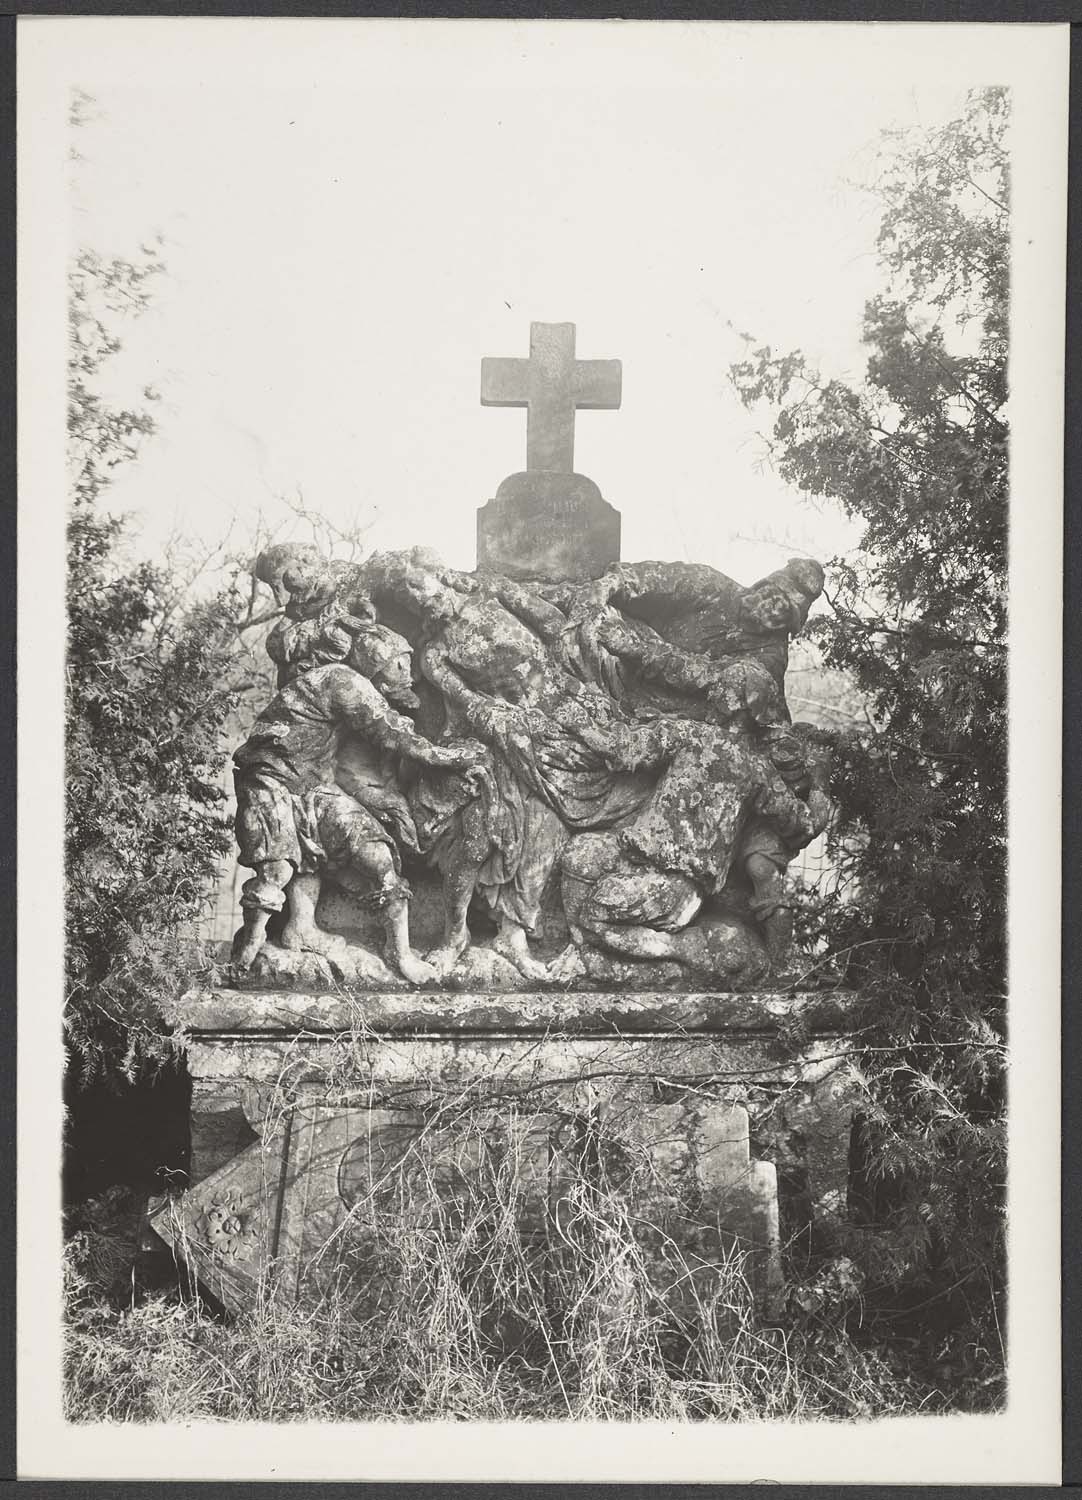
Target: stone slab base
x=316, y=1114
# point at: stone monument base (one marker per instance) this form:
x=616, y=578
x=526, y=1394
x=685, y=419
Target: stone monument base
x=312, y=1112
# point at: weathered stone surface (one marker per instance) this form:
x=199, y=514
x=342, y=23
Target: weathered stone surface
x=549, y=522
x=279, y=1217
x=324, y=1097
x=529, y=1014
x=301, y=969
x=357, y=967
x=547, y=526
x=228, y=1125
x=621, y=746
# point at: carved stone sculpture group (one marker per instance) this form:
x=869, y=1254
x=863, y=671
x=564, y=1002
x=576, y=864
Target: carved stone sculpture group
x=602, y=780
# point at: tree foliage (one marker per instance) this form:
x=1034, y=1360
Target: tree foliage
x=917, y=453
x=148, y=689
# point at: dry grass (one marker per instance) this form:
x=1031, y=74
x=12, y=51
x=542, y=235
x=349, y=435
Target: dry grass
x=452, y=1294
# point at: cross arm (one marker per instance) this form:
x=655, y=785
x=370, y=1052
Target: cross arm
x=597, y=384
x=505, y=382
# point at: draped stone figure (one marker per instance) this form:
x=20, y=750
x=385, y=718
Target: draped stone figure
x=316, y=798
x=600, y=761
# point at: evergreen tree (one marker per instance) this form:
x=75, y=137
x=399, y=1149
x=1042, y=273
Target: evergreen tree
x=148, y=689
x=917, y=454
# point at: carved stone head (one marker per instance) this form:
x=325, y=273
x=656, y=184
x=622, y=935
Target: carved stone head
x=385, y=658
x=274, y=562
x=513, y=674
x=781, y=601
x=311, y=586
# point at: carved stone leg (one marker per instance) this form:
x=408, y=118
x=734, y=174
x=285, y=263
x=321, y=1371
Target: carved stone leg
x=261, y=897
x=769, y=905
x=458, y=887
x=511, y=944
x=399, y=951
x=373, y=862
x=301, y=929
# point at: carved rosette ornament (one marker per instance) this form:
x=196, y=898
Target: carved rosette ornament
x=225, y=1232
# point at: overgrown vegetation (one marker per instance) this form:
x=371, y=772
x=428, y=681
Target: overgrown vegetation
x=918, y=454
x=454, y=1298
x=149, y=684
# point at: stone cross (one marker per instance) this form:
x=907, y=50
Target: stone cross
x=551, y=384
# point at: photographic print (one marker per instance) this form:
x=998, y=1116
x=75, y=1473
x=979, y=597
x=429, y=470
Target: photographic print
x=543, y=565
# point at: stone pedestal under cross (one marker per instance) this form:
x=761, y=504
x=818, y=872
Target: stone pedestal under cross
x=549, y=522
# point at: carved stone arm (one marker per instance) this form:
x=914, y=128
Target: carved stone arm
x=527, y=605
x=437, y=670
x=397, y=735
x=659, y=661
x=630, y=747
x=364, y=709
x=691, y=581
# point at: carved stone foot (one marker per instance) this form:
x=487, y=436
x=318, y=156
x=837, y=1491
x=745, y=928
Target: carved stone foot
x=444, y=958
x=514, y=949
x=312, y=940
x=302, y=969
x=567, y=966
x=246, y=948
x=722, y=952
x=416, y=970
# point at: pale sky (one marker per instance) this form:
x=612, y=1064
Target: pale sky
x=348, y=233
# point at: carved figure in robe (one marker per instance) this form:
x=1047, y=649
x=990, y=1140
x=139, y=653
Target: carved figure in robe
x=325, y=603
x=295, y=823
x=329, y=617
x=733, y=677
x=499, y=683
x=743, y=698
x=672, y=635
x=490, y=670
x=801, y=756
x=637, y=890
